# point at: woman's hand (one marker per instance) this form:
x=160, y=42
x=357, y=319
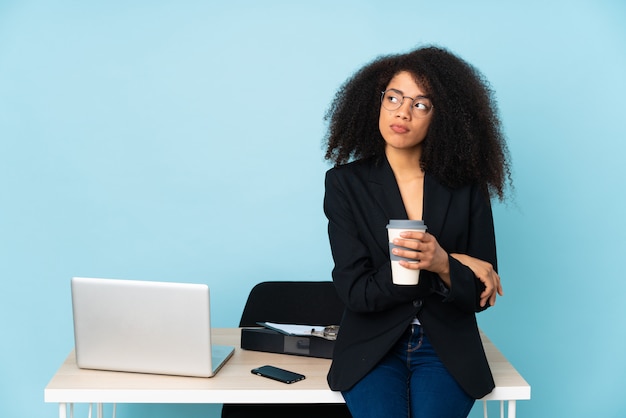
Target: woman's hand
x=424, y=248
x=486, y=274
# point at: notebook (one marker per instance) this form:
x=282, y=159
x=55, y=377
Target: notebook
x=145, y=327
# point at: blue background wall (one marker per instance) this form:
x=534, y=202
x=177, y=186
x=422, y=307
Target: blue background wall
x=182, y=141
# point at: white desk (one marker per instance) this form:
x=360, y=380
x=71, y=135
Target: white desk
x=235, y=384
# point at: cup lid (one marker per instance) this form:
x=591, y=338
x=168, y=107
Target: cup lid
x=405, y=224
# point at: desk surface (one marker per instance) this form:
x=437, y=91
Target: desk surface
x=234, y=383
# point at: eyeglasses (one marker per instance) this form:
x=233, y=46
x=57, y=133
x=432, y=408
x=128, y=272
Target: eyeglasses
x=393, y=99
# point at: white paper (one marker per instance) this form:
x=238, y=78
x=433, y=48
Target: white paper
x=291, y=329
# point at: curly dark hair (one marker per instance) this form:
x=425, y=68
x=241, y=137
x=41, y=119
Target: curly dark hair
x=464, y=144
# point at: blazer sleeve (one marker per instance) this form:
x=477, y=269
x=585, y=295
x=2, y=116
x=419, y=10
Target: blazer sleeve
x=362, y=271
x=465, y=287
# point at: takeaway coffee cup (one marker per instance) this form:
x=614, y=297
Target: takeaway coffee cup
x=401, y=275
x=396, y=226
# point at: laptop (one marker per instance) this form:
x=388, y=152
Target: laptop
x=145, y=327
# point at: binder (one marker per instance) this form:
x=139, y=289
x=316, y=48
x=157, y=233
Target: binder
x=272, y=341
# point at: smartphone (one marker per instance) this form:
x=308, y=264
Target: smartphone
x=279, y=374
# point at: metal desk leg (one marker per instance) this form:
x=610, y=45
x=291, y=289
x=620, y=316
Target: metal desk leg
x=63, y=406
x=99, y=410
x=511, y=409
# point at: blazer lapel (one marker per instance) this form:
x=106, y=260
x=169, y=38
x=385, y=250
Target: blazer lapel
x=436, y=204
x=386, y=191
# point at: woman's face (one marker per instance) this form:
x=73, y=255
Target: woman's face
x=405, y=127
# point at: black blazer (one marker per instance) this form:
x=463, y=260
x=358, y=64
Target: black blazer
x=361, y=197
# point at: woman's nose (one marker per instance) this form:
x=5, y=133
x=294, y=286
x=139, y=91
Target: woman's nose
x=404, y=111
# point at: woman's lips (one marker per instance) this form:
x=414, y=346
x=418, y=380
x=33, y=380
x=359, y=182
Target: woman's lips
x=399, y=129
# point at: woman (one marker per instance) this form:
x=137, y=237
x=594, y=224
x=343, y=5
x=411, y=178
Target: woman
x=413, y=136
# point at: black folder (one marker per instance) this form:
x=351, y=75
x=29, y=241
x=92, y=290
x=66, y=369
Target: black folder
x=267, y=340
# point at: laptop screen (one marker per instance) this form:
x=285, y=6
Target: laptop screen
x=143, y=326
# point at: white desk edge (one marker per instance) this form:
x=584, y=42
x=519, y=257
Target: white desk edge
x=510, y=385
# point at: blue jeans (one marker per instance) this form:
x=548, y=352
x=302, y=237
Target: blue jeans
x=410, y=381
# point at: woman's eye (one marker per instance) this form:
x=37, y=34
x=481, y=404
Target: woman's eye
x=392, y=99
x=423, y=105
